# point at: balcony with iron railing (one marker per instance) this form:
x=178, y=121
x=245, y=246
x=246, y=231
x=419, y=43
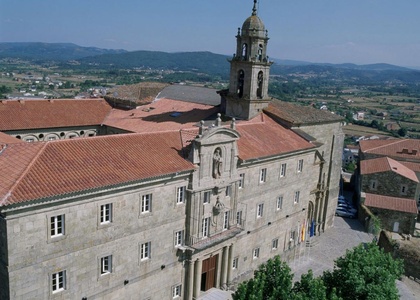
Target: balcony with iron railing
x=213, y=238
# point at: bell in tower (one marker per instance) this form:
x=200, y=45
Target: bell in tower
x=249, y=71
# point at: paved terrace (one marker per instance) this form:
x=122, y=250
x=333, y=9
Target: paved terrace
x=346, y=234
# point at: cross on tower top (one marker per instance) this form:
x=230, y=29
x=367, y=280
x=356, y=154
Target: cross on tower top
x=254, y=9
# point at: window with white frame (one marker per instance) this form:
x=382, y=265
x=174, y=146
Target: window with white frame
x=206, y=197
x=228, y=191
x=260, y=210
x=283, y=170
x=180, y=195
x=300, y=165
x=404, y=189
x=239, y=217
x=58, y=281
x=145, y=251
x=57, y=226
x=235, y=263
x=205, y=227
x=179, y=238
x=279, y=202
x=146, y=203
x=275, y=244
x=106, y=265
x=297, y=196
x=106, y=213
x=241, y=180
x=256, y=253
x=263, y=175
x=176, y=291
x=226, y=220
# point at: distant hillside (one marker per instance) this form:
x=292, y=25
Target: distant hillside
x=50, y=51
x=205, y=62
x=200, y=62
x=366, y=74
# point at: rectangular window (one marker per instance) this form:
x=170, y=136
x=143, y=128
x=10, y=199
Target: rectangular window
x=297, y=196
x=180, y=195
x=260, y=210
x=263, y=175
x=283, y=170
x=206, y=197
x=292, y=235
x=176, y=291
x=205, y=227
x=106, y=213
x=275, y=244
x=235, y=263
x=106, y=265
x=403, y=189
x=373, y=184
x=226, y=220
x=179, y=238
x=241, y=180
x=146, y=203
x=145, y=251
x=57, y=226
x=228, y=191
x=58, y=281
x=256, y=253
x=279, y=202
x=300, y=165
x=239, y=217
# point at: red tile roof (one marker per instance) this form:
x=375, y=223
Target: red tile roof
x=7, y=139
x=296, y=115
x=391, y=203
x=157, y=116
x=262, y=137
x=19, y=114
x=386, y=164
x=398, y=148
x=412, y=166
x=39, y=170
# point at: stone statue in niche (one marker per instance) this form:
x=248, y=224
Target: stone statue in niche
x=217, y=163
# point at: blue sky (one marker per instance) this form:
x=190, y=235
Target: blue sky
x=333, y=31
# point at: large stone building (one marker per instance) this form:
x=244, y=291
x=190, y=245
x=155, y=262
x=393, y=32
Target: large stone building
x=389, y=183
x=167, y=200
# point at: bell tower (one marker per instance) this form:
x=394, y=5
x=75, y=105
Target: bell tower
x=249, y=71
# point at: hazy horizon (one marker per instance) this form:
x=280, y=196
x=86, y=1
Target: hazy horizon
x=324, y=31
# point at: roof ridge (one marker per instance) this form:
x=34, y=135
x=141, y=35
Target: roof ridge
x=3, y=201
x=386, y=145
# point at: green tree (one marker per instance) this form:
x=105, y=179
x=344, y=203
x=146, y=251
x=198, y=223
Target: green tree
x=402, y=131
x=365, y=272
x=310, y=288
x=272, y=281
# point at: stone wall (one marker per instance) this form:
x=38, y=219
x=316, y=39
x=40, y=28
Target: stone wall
x=389, y=184
x=34, y=256
x=4, y=276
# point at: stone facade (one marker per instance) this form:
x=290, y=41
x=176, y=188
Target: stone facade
x=34, y=255
x=390, y=184
x=176, y=235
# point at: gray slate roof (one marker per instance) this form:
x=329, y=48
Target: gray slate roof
x=193, y=94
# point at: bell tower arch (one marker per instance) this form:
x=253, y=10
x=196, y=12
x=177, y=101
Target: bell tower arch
x=249, y=70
